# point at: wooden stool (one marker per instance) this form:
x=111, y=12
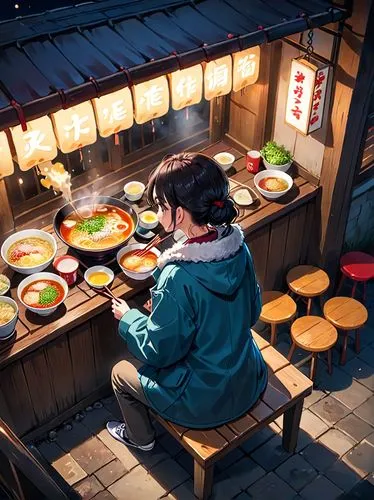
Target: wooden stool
x=357, y=266
x=277, y=308
x=313, y=334
x=308, y=282
x=346, y=314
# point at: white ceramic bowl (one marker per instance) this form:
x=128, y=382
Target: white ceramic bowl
x=280, y=168
x=272, y=195
x=220, y=157
x=6, y=282
x=132, y=274
x=28, y=233
x=137, y=196
x=98, y=269
x=148, y=225
x=45, y=311
x=8, y=328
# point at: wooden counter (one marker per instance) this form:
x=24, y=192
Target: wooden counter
x=58, y=363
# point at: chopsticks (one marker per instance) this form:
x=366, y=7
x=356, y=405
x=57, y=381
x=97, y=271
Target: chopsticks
x=156, y=241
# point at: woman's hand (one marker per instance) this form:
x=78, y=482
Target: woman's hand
x=119, y=308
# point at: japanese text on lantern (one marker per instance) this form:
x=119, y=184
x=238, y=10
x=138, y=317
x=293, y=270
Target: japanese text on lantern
x=151, y=99
x=36, y=145
x=6, y=162
x=186, y=87
x=300, y=93
x=318, y=101
x=246, y=68
x=218, y=77
x=74, y=127
x=114, y=112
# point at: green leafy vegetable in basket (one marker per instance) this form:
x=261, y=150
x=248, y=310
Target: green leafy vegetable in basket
x=92, y=225
x=275, y=154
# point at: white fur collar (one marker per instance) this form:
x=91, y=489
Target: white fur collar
x=219, y=249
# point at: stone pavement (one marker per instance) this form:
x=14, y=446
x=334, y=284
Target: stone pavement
x=334, y=458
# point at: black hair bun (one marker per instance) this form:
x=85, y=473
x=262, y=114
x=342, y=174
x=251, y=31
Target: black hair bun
x=222, y=215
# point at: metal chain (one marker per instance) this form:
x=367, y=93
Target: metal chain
x=310, y=48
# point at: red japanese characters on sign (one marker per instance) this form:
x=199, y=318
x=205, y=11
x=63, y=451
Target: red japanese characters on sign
x=306, y=94
x=318, y=101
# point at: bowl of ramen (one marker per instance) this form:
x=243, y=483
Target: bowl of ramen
x=137, y=267
x=134, y=190
x=8, y=317
x=29, y=251
x=224, y=159
x=99, y=276
x=42, y=293
x=273, y=184
x=99, y=228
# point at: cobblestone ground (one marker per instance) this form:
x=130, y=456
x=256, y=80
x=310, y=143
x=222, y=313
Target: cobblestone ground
x=334, y=457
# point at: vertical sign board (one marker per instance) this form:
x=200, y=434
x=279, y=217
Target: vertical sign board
x=306, y=96
x=186, y=87
x=74, y=127
x=151, y=99
x=218, y=78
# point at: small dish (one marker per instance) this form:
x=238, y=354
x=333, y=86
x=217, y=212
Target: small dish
x=4, y=284
x=67, y=268
x=148, y=219
x=95, y=276
x=225, y=160
x=134, y=190
x=243, y=197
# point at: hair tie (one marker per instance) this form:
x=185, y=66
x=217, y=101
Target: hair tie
x=219, y=203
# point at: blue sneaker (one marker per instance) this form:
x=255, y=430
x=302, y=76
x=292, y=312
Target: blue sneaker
x=118, y=431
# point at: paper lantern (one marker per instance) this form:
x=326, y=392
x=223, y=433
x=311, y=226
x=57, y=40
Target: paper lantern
x=151, y=99
x=36, y=145
x=218, y=77
x=246, y=66
x=186, y=87
x=306, y=96
x=74, y=127
x=6, y=162
x=114, y=112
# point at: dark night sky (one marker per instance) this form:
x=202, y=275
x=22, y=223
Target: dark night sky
x=9, y=9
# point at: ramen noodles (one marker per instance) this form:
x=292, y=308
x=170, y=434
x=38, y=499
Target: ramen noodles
x=7, y=312
x=104, y=227
x=29, y=252
x=139, y=264
x=41, y=294
x=273, y=184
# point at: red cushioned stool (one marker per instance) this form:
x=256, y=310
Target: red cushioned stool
x=359, y=267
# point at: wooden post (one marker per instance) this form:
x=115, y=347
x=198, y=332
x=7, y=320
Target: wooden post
x=6, y=214
x=291, y=424
x=354, y=83
x=218, y=118
x=203, y=481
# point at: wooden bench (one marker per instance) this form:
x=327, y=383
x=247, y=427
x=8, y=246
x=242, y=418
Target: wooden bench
x=285, y=394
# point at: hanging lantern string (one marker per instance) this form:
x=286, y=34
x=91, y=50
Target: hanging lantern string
x=310, y=48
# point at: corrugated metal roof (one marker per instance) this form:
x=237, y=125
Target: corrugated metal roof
x=60, y=52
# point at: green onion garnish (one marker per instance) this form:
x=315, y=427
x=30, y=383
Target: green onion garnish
x=48, y=295
x=92, y=225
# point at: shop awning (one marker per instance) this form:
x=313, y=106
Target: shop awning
x=68, y=55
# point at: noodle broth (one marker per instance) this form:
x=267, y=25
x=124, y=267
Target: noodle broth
x=132, y=262
x=273, y=184
x=29, y=252
x=105, y=227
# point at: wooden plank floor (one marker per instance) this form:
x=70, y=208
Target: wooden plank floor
x=83, y=303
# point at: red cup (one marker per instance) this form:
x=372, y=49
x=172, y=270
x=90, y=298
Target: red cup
x=252, y=161
x=67, y=268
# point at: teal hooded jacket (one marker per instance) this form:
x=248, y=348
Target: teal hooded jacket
x=202, y=367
